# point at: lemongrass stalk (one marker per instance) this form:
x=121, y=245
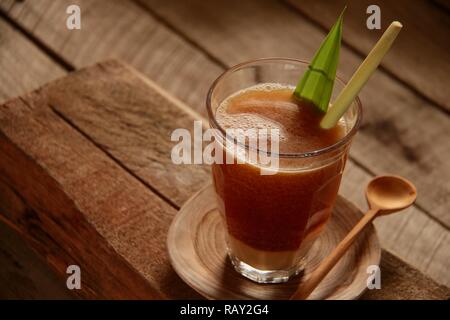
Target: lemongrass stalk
x=360, y=77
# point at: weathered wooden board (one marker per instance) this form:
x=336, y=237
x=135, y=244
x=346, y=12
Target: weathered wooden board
x=125, y=32
x=134, y=127
x=23, y=273
x=387, y=142
x=78, y=203
x=413, y=235
x=20, y=73
x=424, y=167
x=428, y=251
x=417, y=251
x=421, y=55
x=398, y=124
x=70, y=186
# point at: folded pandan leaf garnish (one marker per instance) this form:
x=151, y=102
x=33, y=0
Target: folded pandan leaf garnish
x=316, y=85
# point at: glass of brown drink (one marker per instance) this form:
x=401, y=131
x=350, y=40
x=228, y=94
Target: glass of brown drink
x=272, y=220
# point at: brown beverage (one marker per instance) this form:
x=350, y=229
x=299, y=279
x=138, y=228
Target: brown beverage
x=272, y=219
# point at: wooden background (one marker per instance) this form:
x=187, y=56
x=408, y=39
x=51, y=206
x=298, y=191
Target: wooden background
x=184, y=45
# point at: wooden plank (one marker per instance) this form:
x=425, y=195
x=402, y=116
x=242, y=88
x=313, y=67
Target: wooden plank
x=120, y=29
x=71, y=186
x=90, y=198
x=148, y=119
x=398, y=124
x=420, y=56
x=20, y=73
x=226, y=29
x=93, y=36
x=24, y=274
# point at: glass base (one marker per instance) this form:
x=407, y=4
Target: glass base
x=265, y=276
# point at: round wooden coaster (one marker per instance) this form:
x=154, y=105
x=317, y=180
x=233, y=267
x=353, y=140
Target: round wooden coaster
x=197, y=250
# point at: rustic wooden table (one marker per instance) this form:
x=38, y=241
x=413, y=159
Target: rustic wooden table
x=98, y=142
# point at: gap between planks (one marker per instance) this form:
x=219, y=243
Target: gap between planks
x=219, y=62
x=108, y=154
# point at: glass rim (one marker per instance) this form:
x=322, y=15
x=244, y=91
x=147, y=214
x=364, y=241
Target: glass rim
x=341, y=142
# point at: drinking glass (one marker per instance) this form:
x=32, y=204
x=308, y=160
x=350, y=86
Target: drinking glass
x=272, y=220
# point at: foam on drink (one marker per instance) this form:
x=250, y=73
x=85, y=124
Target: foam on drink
x=271, y=219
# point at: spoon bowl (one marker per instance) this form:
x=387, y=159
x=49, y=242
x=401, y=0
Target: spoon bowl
x=390, y=193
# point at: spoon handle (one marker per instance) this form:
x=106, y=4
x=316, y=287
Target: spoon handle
x=305, y=288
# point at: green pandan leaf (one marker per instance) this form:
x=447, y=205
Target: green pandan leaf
x=316, y=85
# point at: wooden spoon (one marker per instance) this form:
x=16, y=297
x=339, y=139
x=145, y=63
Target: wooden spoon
x=385, y=195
